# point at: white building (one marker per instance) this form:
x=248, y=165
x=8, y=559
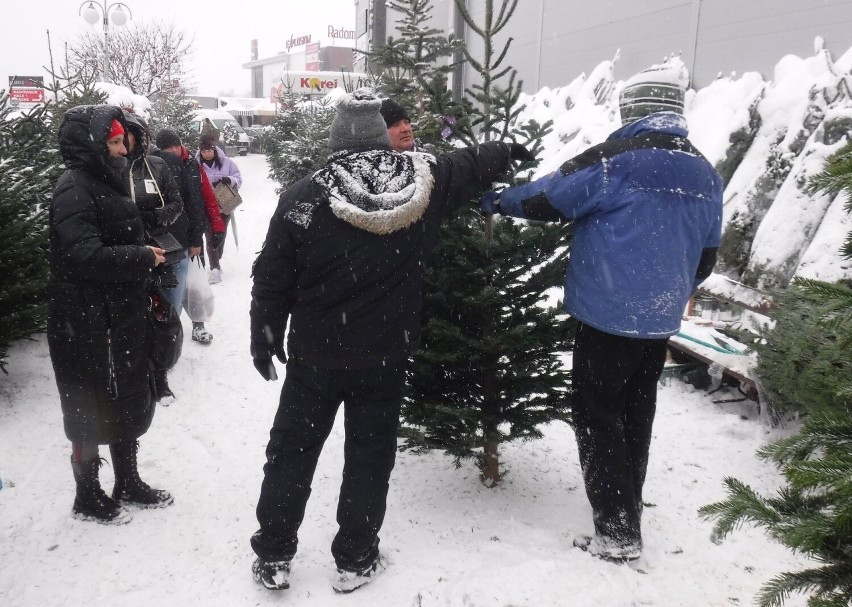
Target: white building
x=554, y=41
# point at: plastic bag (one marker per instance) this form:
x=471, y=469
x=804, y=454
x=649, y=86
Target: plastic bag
x=199, y=295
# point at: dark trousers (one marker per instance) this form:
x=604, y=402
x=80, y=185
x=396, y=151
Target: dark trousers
x=309, y=401
x=214, y=254
x=615, y=399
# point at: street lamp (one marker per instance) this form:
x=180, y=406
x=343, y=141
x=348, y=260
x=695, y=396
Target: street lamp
x=97, y=9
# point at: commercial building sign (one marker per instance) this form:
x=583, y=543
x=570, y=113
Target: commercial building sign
x=26, y=92
x=317, y=83
x=293, y=42
x=340, y=33
x=312, y=57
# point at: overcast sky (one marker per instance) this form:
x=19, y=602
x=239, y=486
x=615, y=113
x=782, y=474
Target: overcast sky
x=221, y=30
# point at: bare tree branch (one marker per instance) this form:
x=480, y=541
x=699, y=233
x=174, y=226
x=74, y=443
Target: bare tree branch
x=143, y=57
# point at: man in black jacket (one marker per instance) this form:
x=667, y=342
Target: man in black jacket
x=344, y=260
x=187, y=174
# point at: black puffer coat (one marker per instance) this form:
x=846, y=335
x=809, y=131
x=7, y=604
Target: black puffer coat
x=152, y=185
x=346, y=251
x=98, y=328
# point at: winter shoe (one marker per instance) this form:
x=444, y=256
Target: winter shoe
x=201, y=334
x=129, y=488
x=348, y=581
x=609, y=549
x=215, y=276
x=164, y=394
x=91, y=503
x=274, y=575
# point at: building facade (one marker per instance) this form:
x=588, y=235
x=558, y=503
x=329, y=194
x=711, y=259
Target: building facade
x=554, y=41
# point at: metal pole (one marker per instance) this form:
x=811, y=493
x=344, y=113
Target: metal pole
x=106, y=43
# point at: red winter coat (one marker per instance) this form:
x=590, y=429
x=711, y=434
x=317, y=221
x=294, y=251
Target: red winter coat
x=212, y=204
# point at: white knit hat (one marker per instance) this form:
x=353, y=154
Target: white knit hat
x=660, y=88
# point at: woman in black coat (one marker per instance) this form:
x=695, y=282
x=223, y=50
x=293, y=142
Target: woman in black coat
x=98, y=332
x=153, y=189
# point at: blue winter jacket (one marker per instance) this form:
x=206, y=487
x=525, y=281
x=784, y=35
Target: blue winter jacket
x=647, y=212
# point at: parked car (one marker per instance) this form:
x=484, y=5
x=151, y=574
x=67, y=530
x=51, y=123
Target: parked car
x=255, y=134
x=220, y=119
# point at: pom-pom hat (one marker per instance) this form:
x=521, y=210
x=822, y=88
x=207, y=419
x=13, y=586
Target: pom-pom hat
x=358, y=123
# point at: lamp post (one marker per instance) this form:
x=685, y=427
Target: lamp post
x=99, y=9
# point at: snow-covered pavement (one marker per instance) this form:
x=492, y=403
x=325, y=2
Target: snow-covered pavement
x=450, y=541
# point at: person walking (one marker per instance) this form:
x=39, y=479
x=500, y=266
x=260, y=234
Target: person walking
x=219, y=169
x=647, y=213
x=344, y=261
x=155, y=193
x=98, y=330
x=201, y=215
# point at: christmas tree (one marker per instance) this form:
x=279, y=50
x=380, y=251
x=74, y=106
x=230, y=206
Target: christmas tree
x=29, y=167
x=489, y=369
x=812, y=513
x=297, y=144
x=173, y=110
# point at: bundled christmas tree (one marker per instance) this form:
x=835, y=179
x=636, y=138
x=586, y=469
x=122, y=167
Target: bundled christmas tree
x=489, y=369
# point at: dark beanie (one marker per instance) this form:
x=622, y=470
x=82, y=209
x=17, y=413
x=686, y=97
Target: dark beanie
x=166, y=139
x=207, y=142
x=660, y=88
x=393, y=112
x=358, y=123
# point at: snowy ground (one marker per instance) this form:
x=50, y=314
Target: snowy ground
x=450, y=541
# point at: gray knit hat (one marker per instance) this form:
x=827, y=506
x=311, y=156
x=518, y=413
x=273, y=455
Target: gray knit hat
x=358, y=123
x=660, y=88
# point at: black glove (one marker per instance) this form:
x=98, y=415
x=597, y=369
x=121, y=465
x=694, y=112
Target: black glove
x=519, y=152
x=218, y=239
x=489, y=204
x=225, y=179
x=266, y=367
x=215, y=183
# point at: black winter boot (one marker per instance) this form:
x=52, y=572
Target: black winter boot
x=129, y=488
x=91, y=503
x=161, y=385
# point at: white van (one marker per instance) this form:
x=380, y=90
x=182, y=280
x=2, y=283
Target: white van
x=219, y=118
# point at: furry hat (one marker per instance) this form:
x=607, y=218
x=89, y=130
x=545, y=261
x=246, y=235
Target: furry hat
x=207, y=142
x=358, y=123
x=660, y=88
x=166, y=139
x=393, y=112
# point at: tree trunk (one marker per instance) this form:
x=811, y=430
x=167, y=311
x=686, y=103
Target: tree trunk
x=490, y=476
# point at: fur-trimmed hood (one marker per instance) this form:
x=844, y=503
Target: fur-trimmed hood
x=379, y=191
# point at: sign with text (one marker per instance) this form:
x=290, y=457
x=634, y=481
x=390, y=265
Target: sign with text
x=26, y=92
x=312, y=58
x=317, y=83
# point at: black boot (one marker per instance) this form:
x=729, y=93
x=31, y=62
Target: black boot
x=161, y=385
x=129, y=488
x=91, y=503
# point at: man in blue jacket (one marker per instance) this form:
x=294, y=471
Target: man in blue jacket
x=647, y=213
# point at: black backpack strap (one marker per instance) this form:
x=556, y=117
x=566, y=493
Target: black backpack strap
x=614, y=147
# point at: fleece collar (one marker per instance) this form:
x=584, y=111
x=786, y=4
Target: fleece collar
x=378, y=191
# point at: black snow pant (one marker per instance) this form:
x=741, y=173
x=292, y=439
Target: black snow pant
x=615, y=399
x=310, y=398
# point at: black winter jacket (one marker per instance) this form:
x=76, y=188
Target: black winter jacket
x=191, y=223
x=345, y=253
x=100, y=271
x=150, y=183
